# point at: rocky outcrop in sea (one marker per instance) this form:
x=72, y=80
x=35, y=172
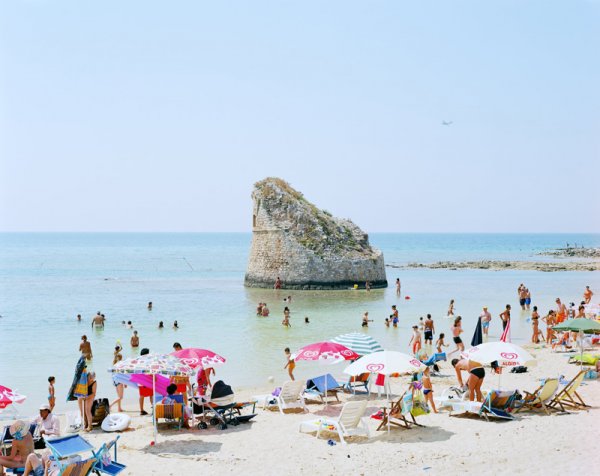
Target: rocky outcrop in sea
x=307, y=248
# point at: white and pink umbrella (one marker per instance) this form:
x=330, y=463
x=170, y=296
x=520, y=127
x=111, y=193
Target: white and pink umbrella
x=325, y=353
x=386, y=362
x=505, y=353
x=8, y=397
x=195, y=358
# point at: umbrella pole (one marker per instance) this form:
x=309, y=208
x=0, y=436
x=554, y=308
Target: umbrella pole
x=154, y=405
x=581, y=352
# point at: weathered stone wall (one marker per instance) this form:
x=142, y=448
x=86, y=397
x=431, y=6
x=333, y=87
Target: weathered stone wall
x=301, y=244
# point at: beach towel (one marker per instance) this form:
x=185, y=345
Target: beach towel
x=79, y=370
x=81, y=389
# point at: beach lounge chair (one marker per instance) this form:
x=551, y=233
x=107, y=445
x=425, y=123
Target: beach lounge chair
x=104, y=463
x=322, y=387
x=351, y=422
x=172, y=412
x=397, y=415
x=69, y=446
x=290, y=396
x=498, y=404
x=355, y=381
x=568, y=396
x=221, y=408
x=540, y=397
x=6, y=438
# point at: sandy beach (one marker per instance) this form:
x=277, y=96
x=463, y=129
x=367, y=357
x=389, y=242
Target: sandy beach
x=533, y=443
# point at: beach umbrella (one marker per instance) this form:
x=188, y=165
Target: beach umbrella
x=325, y=353
x=145, y=380
x=8, y=397
x=386, y=363
x=195, y=358
x=478, y=334
x=505, y=353
x=153, y=364
x=362, y=344
x=581, y=325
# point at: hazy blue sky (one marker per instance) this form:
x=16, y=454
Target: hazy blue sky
x=159, y=116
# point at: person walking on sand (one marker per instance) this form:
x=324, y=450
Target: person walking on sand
x=290, y=365
x=456, y=332
x=135, y=340
x=587, y=295
x=505, y=317
x=429, y=330
x=428, y=389
x=476, y=375
x=398, y=287
x=451, y=308
x=486, y=317
x=85, y=348
x=415, y=340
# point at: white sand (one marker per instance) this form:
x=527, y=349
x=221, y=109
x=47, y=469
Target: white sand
x=534, y=443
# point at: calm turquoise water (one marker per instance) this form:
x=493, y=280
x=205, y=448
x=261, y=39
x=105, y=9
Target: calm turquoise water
x=197, y=279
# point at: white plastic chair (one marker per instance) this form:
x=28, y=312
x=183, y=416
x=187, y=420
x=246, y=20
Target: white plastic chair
x=290, y=396
x=351, y=421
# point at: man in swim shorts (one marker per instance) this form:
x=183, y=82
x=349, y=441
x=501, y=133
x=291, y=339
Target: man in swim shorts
x=522, y=297
x=486, y=317
x=428, y=330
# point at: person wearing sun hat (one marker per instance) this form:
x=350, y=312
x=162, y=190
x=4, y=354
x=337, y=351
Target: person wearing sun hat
x=22, y=447
x=48, y=423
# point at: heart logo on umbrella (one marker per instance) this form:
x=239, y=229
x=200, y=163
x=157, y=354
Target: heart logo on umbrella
x=375, y=367
x=416, y=362
x=192, y=362
x=310, y=353
x=509, y=355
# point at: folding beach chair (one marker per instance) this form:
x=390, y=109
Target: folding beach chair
x=355, y=381
x=568, y=396
x=351, y=422
x=221, y=408
x=104, y=463
x=290, y=396
x=498, y=404
x=6, y=438
x=398, y=413
x=172, y=412
x=69, y=446
x=322, y=387
x=540, y=397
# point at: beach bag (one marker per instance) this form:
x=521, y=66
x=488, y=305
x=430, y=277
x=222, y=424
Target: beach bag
x=407, y=403
x=73, y=422
x=419, y=404
x=518, y=370
x=100, y=410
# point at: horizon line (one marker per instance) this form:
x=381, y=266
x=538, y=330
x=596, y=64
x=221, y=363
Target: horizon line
x=250, y=231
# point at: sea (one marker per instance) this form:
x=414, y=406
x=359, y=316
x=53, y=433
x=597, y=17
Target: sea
x=197, y=279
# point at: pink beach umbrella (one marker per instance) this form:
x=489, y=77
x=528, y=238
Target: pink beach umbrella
x=195, y=358
x=325, y=353
x=8, y=397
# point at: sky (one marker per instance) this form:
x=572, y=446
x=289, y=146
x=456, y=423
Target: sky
x=160, y=116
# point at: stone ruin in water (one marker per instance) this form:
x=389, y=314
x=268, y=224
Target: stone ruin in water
x=305, y=247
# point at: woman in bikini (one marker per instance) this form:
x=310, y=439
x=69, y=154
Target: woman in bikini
x=476, y=375
x=535, y=324
x=456, y=332
x=451, y=308
x=89, y=400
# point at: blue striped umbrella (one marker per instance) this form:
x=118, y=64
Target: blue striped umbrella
x=362, y=344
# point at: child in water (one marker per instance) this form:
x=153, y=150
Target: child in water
x=290, y=364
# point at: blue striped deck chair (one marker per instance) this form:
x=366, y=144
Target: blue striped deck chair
x=66, y=446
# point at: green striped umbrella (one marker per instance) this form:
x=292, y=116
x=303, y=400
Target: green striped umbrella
x=582, y=324
x=362, y=344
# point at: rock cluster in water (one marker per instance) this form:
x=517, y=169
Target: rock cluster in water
x=307, y=248
x=502, y=265
x=573, y=252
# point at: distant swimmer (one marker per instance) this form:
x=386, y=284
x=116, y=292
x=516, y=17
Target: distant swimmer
x=264, y=310
x=98, y=321
x=129, y=325
x=161, y=325
x=177, y=346
x=286, y=317
x=78, y=317
x=85, y=348
x=150, y=306
x=447, y=123
x=366, y=320
x=277, y=283
x=398, y=287
x=135, y=340
x=175, y=325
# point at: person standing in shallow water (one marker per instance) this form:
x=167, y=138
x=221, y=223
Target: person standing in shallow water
x=398, y=287
x=277, y=283
x=85, y=348
x=150, y=306
x=505, y=317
